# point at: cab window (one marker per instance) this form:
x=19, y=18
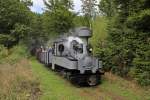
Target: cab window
x=80, y=48
x=77, y=47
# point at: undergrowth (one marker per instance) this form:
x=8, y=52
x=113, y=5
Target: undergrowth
x=16, y=79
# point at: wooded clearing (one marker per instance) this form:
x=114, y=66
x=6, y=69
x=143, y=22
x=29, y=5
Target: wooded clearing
x=121, y=40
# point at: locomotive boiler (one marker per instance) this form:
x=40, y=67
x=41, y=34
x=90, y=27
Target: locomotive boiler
x=71, y=55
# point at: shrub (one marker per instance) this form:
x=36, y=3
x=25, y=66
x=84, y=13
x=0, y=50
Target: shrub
x=141, y=72
x=105, y=55
x=3, y=52
x=17, y=53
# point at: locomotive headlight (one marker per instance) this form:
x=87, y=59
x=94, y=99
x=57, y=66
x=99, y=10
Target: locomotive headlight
x=90, y=49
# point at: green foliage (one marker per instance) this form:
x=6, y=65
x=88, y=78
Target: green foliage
x=62, y=89
x=61, y=21
x=14, y=54
x=3, y=52
x=38, y=35
x=141, y=72
x=89, y=11
x=99, y=27
x=140, y=21
x=81, y=21
x=14, y=18
x=105, y=55
x=20, y=50
x=128, y=33
x=107, y=7
x=61, y=18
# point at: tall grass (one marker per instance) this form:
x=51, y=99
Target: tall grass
x=3, y=53
x=16, y=79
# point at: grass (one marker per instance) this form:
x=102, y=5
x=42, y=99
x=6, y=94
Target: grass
x=123, y=88
x=16, y=79
x=26, y=79
x=54, y=87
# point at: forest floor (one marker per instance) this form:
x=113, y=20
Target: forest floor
x=54, y=87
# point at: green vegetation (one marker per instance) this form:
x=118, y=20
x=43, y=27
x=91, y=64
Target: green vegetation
x=19, y=24
x=14, y=21
x=128, y=39
x=99, y=26
x=17, y=81
x=25, y=78
x=89, y=11
x=121, y=39
x=61, y=18
x=54, y=87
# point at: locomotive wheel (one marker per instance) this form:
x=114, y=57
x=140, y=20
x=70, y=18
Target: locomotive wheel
x=92, y=80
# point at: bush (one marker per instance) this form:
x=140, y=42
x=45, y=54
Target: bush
x=105, y=53
x=141, y=72
x=3, y=52
x=16, y=53
x=140, y=21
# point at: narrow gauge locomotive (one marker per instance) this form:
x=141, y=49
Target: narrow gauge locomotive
x=71, y=56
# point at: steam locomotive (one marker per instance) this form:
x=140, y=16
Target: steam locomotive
x=72, y=57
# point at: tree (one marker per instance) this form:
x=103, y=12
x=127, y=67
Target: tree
x=89, y=10
x=61, y=18
x=107, y=7
x=14, y=21
x=128, y=31
x=37, y=36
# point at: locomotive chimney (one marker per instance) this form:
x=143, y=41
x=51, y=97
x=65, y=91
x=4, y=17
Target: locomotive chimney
x=84, y=33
